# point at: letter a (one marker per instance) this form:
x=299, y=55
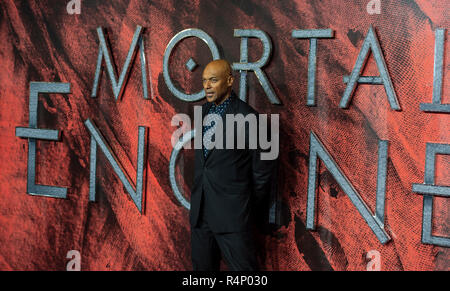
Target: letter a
x=371, y=42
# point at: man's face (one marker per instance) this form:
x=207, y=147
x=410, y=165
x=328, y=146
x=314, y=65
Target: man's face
x=217, y=82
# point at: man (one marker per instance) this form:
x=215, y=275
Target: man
x=229, y=184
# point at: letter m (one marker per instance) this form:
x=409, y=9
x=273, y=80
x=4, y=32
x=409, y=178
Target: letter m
x=104, y=53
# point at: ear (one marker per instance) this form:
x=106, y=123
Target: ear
x=230, y=80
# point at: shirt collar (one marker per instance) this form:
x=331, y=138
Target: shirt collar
x=223, y=105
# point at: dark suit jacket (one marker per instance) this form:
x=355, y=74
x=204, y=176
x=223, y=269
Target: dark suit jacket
x=230, y=183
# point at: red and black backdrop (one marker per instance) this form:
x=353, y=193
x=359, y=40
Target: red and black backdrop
x=42, y=42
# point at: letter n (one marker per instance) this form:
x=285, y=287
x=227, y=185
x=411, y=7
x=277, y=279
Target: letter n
x=375, y=222
x=97, y=138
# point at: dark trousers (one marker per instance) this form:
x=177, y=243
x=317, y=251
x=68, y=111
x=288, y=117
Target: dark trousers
x=237, y=249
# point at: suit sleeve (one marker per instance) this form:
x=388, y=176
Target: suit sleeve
x=262, y=173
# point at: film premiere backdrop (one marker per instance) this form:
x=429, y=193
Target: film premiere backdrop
x=89, y=177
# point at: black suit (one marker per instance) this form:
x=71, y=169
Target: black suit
x=229, y=185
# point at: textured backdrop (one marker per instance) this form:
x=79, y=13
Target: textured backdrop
x=42, y=42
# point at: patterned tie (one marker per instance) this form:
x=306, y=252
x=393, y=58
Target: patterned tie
x=219, y=110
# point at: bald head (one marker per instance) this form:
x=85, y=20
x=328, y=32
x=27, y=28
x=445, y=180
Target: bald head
x=217, y=81
x=220, y=65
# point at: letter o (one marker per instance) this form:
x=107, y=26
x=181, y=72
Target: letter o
x=172, y=163
x=190, y=32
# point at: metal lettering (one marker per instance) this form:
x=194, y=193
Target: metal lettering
x=104, y=52
x=98, y=139
x=370, y=42
x=312, y=35
x=33, y=133
x=428, y=189
x=191, y=32
x=436, y=105
x=375, y=222
x=243, y=66
x=172, y=164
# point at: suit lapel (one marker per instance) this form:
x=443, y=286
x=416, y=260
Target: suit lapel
x=204, y=111
x=230, y=109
